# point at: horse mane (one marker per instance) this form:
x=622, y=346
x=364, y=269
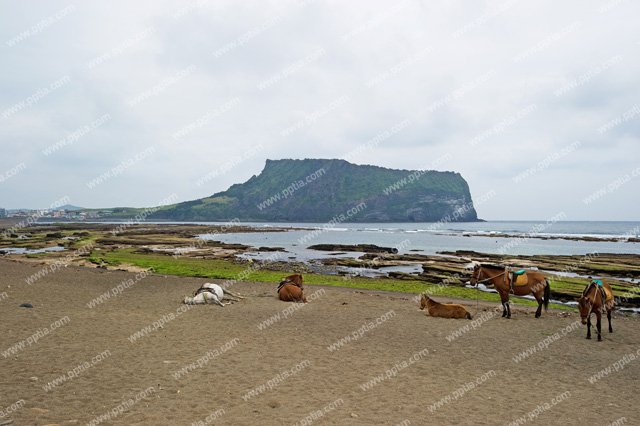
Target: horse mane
x=598, y=290
x=586, y=290
x=491, y=266
x=582, y=302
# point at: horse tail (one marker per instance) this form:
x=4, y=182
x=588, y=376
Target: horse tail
x=547, y=294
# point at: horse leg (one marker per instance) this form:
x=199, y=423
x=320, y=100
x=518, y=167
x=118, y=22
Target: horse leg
x=598, y=327
x=506, y=311
x=589, y=327
x=218, y=302
x=227, y=292
x=296, y=295
x=504, y=298
x=539, y=300
x=609, y=318
x=539, y=310
x=505, y=301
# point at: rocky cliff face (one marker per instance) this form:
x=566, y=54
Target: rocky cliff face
x=318, y=190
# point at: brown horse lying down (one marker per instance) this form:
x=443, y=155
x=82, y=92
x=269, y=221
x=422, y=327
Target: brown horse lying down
x=290, y=289
x=294, y=279
x=444, y=310
x=291, y=293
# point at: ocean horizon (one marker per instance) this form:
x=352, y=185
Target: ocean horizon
x=495, y=237
x=521, y=237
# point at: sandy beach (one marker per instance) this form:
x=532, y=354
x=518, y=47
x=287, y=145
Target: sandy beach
x=481, y=154
x=140, y=357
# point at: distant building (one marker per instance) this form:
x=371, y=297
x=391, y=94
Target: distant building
x=3, y=212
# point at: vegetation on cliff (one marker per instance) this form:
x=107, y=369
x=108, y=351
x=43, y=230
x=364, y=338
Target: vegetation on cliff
x=319, y=190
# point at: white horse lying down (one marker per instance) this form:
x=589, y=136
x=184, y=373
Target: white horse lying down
x=211, y=293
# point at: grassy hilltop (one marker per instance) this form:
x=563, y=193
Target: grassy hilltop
x=318, y=190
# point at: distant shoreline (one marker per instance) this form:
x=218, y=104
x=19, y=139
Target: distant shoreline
x=9, y=222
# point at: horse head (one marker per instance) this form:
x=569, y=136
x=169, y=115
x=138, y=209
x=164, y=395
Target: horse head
x=295, y=278
x=187, y=300
x=584, y=307
x=424, y=299
x=475, y=274
x=586, y=304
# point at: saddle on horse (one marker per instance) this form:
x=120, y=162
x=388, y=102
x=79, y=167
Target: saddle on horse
x=607, y=296
x=202, y=289
x=515, y=278
x=285, y=282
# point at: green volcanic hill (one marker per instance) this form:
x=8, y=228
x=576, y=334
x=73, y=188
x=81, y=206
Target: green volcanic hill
x=319, y=190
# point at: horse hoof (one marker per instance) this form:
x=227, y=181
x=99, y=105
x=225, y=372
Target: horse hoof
x=588, y=337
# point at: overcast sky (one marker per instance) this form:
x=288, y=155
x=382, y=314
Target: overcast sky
x=129, y=103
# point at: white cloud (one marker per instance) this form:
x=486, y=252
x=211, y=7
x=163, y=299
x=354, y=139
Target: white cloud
x=361, y=41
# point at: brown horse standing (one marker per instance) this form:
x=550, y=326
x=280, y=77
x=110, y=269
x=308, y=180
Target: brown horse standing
x=536, y=284
x=290, y=289
x=593, y=299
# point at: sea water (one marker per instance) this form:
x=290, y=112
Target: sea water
x=495, y=237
